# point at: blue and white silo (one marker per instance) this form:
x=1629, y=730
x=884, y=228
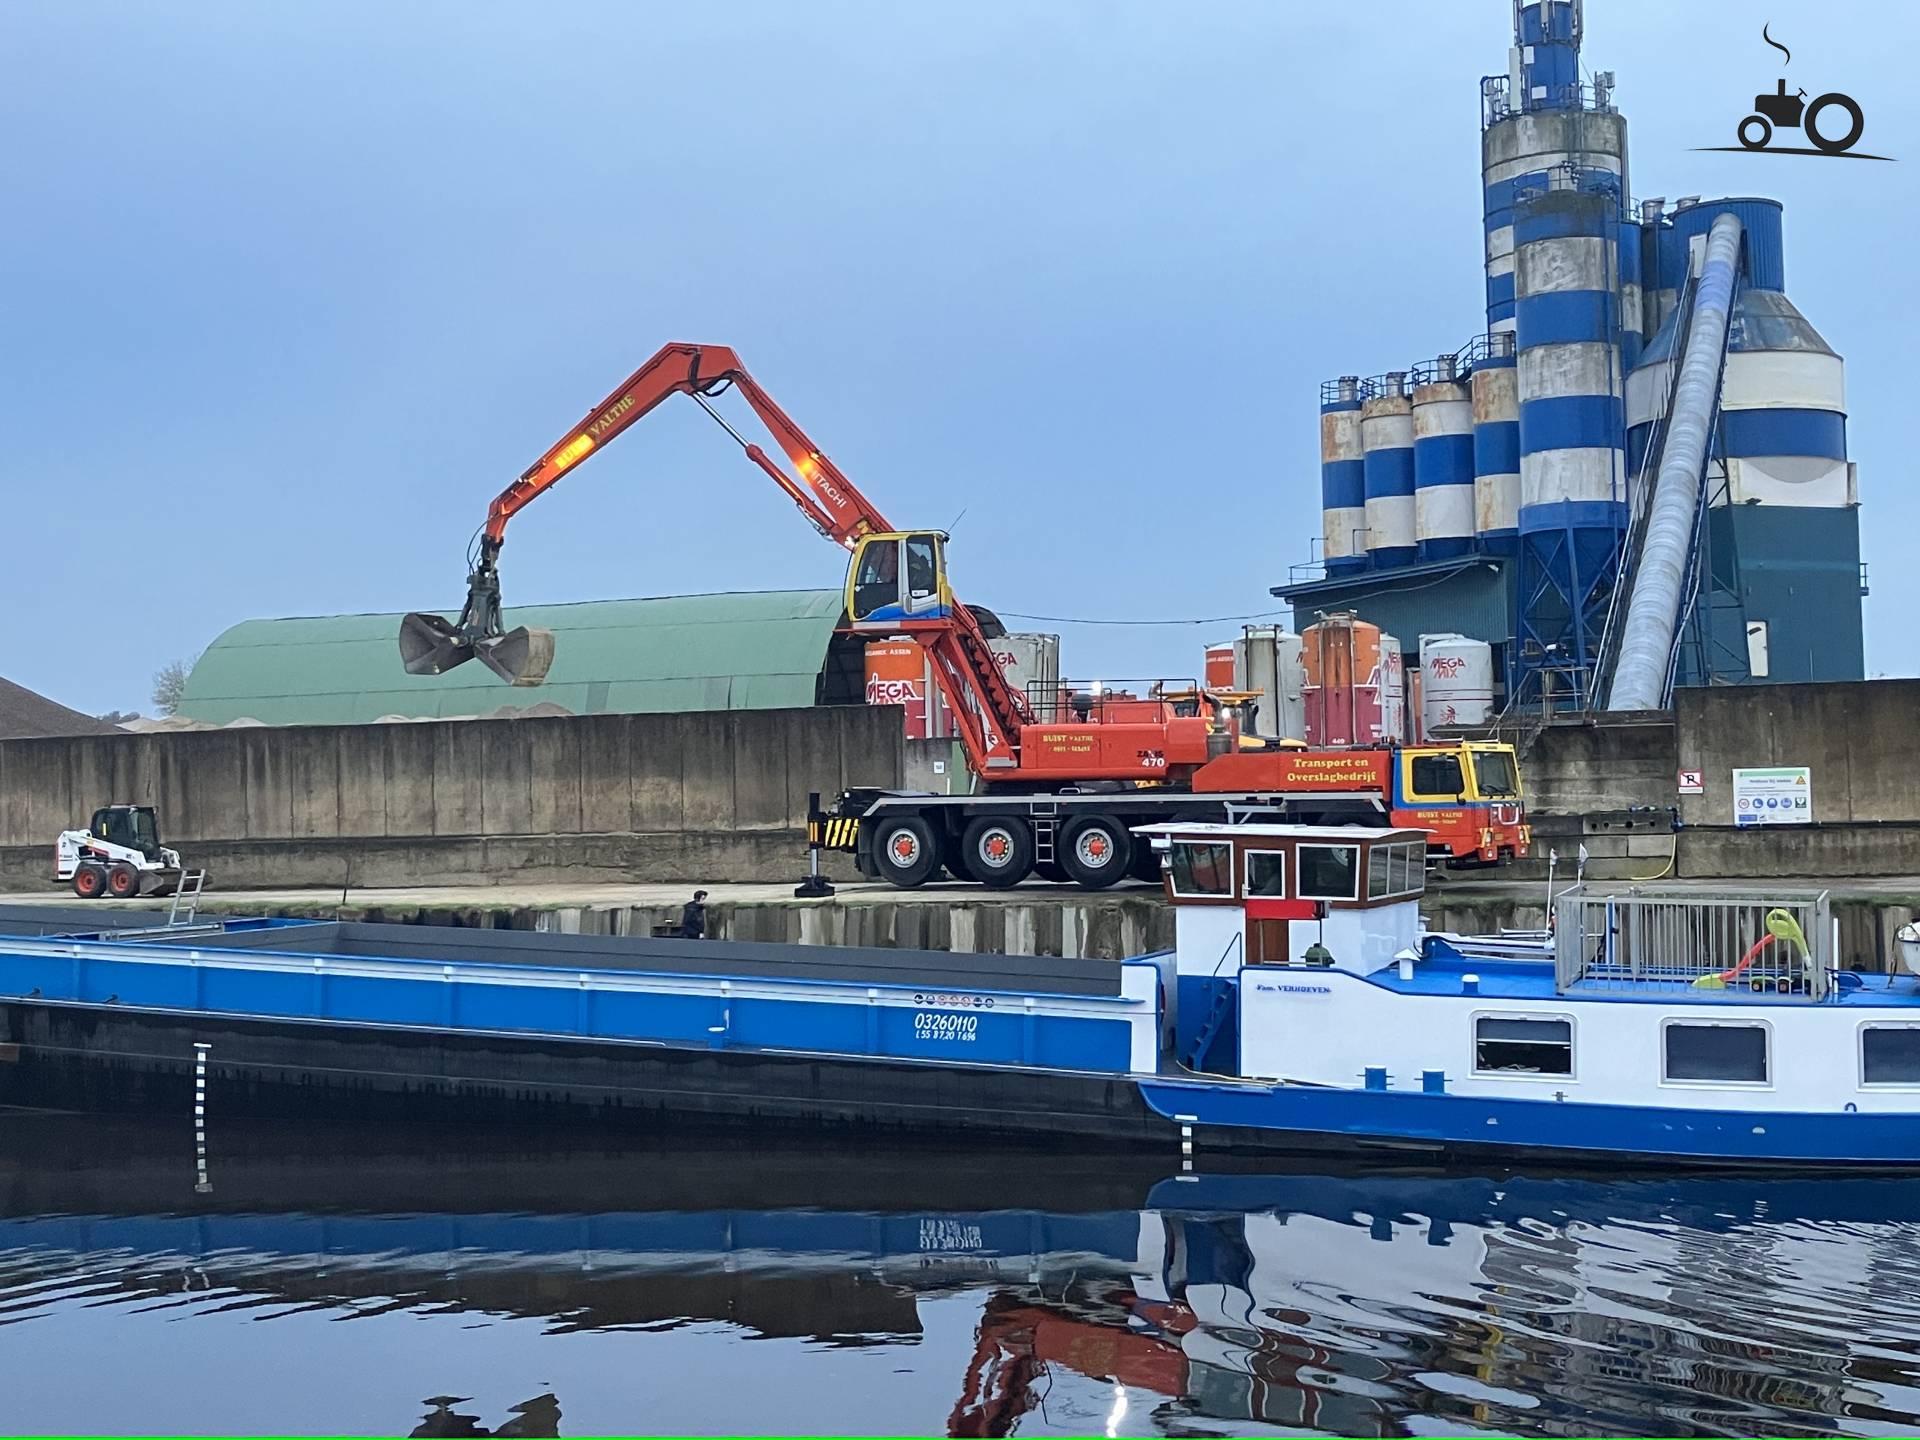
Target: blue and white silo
x=1343, y=478
x=1386, y=439
x=1540, y=128
x=1442, y=462
x=1783, y=497
x=1572, y=459
x=1496, y=447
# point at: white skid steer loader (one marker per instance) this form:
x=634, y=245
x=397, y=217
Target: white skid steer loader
x=118, y=854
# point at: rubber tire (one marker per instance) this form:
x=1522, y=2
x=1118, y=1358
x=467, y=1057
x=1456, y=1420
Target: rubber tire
x=1019, y=862
x=1766, y=133
x=1120, y=851
x=1146, y=863
x=926, y=859
x=123, y=882
x=90, y=881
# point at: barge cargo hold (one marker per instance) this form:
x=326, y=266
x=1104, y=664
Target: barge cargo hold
x=1302, y=1008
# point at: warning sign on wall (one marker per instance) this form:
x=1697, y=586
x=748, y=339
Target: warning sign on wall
x=1692, y=782
x=1782, y=795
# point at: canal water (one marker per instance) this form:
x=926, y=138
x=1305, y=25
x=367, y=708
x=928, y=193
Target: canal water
x=472, y=1283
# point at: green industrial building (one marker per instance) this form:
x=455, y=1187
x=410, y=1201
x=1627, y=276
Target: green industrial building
x=755, y=650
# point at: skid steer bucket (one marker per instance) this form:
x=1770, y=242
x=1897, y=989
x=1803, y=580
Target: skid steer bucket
x=160, y=883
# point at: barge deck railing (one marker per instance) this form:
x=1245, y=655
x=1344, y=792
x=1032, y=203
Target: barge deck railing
x=1708, y=946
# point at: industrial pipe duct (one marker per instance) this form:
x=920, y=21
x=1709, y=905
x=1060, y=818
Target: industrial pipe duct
x=1653, y=609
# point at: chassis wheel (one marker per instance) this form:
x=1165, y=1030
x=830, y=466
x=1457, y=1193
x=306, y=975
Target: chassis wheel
x=123, y=882
x=1097, y=851
x=999, y=853
x=905, y=851
x=89, y=881
x=1146, y=863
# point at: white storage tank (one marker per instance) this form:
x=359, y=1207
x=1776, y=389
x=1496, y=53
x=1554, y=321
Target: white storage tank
x=1268, y=658
x=1031, y=664
x=1456, y=681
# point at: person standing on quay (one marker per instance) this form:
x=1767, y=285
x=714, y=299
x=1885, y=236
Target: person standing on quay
x=693, y=917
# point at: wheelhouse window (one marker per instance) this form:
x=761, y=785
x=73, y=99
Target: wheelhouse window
x=1397, y=869
x=1202, y=868
x=1509, y=1045
x=1328, y=872
x=1267, y=873
x=1890, y=1055
x=1726, y=1054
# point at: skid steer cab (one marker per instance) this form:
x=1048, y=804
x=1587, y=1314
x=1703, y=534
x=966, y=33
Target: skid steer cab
x=118, y=854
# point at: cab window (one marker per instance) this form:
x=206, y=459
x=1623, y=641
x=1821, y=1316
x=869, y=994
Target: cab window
x=878, y=581
x=1439, y=776
x=922, y=571
x=1494, y=769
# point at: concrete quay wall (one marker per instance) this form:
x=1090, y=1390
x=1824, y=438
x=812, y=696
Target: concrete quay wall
x=708, y=796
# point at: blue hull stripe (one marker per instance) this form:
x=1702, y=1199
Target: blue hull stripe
x=1616, y=1130
x=602, y=1008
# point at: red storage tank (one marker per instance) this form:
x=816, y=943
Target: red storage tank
x=1356, y=683
x=1219, y=666
x=899, y=673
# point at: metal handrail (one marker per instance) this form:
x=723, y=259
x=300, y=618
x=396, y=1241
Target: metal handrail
x=1659, y=938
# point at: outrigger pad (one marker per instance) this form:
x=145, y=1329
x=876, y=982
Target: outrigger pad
x=520, y=657
x=429, y=644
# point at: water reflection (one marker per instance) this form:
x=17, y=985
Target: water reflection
x=504, y=1287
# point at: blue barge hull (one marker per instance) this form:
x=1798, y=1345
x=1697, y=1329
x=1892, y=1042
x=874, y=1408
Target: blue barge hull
x=327, y=1020
x=406, y=1023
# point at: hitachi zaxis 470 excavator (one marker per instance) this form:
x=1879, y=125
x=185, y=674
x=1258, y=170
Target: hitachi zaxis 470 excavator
x=1060, y=787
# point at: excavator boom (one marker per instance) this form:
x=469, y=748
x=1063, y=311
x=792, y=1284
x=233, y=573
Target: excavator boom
x=430, y=644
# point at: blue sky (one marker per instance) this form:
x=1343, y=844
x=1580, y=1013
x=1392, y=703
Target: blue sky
x=294, y=290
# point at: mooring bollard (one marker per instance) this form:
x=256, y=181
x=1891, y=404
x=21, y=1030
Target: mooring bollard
x=201, y=1184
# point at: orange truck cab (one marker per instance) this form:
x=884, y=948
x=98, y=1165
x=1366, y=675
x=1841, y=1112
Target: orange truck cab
x=1466, y=793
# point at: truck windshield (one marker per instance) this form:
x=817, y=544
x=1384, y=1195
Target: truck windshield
x=1496, y=773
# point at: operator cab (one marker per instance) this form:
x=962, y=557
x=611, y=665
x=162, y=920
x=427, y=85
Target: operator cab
x=894, y=579
x=133, y=826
